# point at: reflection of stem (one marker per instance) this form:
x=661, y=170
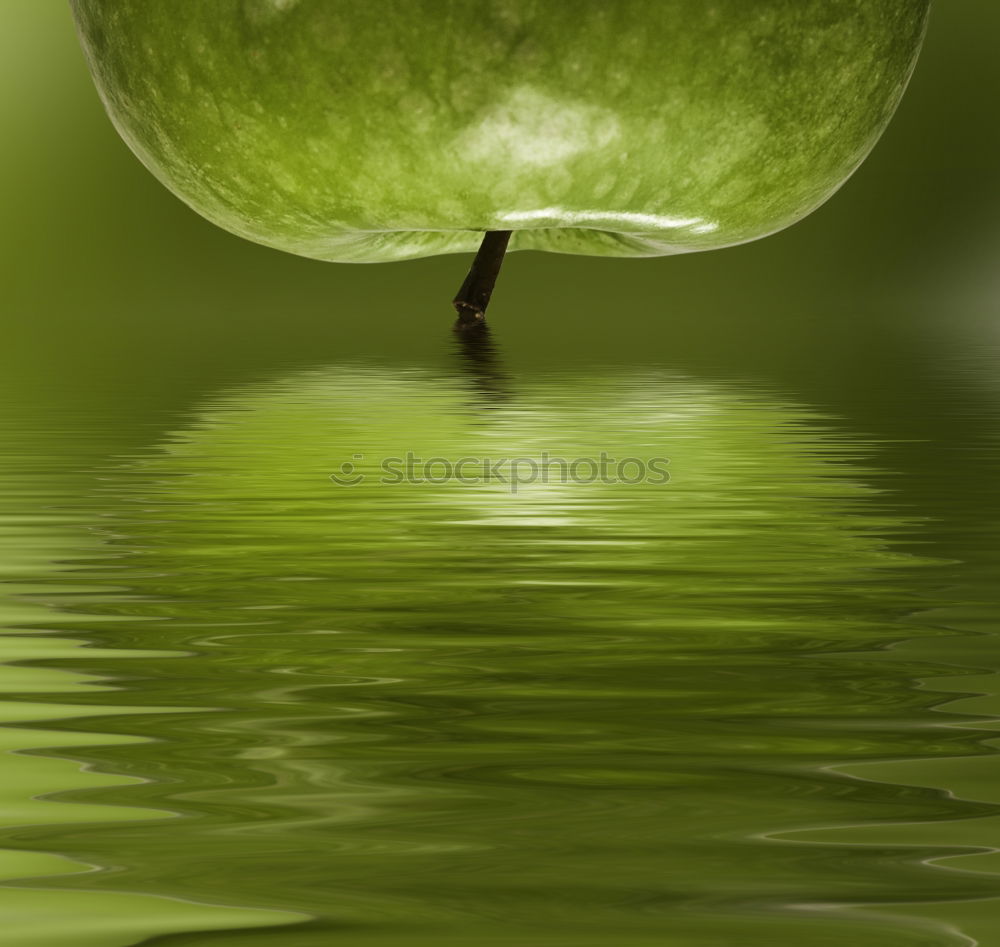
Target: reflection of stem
x=480, y=359
x=474, y=296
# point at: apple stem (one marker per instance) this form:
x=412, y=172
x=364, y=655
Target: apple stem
x=474, y=296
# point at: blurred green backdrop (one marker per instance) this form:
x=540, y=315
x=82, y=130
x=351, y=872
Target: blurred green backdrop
x=123, y=311
x=111, y=282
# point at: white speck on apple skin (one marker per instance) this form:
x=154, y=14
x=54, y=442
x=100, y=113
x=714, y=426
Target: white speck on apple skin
x=602, y=220
x=531, y=129
x=604, y=185
x=264, y=11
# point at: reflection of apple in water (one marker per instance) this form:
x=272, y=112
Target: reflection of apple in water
x=400, y=676
x=354, y=131
x=754, y=501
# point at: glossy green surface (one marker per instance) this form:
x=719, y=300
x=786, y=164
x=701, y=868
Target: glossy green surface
x=680, y=713
x=348, y=131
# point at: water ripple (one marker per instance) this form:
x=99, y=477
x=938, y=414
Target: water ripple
x=682, y=712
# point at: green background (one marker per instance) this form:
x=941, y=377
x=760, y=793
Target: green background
x=854, y=357
x=107, y=274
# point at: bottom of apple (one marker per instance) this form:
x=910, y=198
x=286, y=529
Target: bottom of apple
x=387, y=246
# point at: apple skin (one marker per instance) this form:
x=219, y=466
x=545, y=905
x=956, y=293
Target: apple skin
x=354, y=131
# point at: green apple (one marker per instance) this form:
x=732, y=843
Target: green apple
x=351, y=131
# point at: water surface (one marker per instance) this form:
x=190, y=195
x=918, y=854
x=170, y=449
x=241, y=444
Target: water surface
x=253, y=703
